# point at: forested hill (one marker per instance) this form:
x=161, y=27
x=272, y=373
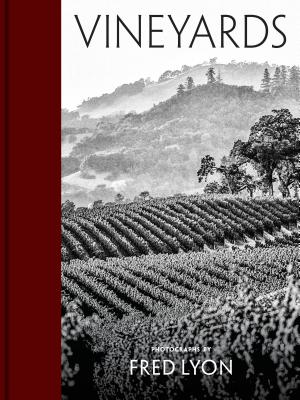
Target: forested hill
x=141, y=95
x=208, y=118
x=160, y=150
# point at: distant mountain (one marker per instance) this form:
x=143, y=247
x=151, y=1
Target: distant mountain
x=143, y=94
x=108, y=100
x=159, y=150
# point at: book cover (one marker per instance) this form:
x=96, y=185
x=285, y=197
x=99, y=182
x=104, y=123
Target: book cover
x=180, y=221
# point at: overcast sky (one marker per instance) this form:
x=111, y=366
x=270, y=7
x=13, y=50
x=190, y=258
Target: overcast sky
x=88, y=72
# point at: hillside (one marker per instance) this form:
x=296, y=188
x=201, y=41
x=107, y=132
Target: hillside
x=159, y=150
x=246, y=334
x=158, y=284
x=214, y=278
x=174, y=225
x=143, y=94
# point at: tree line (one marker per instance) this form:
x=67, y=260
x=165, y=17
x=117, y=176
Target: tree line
x=190, y=84
x=69, y=206
x=285, y=81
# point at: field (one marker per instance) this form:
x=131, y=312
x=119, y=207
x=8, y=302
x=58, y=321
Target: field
x=152, y=285
x=255, y=327
x=218, y=272
x=177, y=224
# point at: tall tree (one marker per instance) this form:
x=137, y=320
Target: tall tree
x=207, y=167
x=233, y=176
x=190, y=83
x=211, y=75
x=180, y=90
x=273, y=139
x=276, y=82
x=294, y=82
x=288, y=172
x=283, y=76
x=250, y=184
x=266, y=82
x=234, y=179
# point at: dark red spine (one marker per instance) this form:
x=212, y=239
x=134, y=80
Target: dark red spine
x=32, y=199
x=3, y=355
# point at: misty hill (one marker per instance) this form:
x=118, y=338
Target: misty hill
x=159, y=150
x=143, y=94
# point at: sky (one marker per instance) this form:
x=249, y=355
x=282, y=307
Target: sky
x=89, y=72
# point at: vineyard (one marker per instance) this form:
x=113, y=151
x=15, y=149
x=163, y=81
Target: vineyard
x=220, y=272
x=259, y=335
x=153, y=285
x=178, y=224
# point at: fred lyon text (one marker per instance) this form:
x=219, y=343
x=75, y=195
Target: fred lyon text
x=190, y=367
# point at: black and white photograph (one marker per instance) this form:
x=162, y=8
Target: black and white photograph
x=180, y=185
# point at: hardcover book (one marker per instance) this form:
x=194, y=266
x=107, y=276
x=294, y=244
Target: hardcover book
x=180, y=219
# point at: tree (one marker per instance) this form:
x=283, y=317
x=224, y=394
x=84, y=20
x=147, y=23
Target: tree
x=266, y=82
x=219, y=77
x=67, y=207
x=211, y=75
x=288, y=172
x=207, y=167
x=237, y=154
x=97, y=204
x=263, y=185
x=190, y=83
x=233, y=178
x=294, y=82
x=213, y=60
x=145, y=195
x=180, y=90
x=283, y=76
x=119, y=198
x=215, y=188
x=249, y=184
x=165, y=76
x=273, y=139
x=276, y=82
